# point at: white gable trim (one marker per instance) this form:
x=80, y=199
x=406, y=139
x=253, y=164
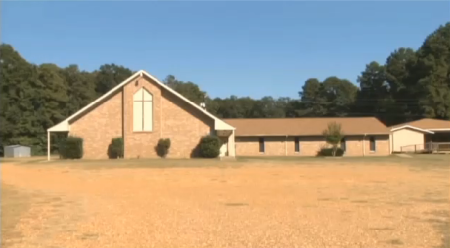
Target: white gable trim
x=218, y=123
x=64, y=125
x=60, y=127
x=411, y=127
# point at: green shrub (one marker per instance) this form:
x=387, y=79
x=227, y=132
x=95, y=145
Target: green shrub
x=209, y=146
x=61, y=147
x=328, y=152
x=162, y=148
x=71, y=148
x=115, y=149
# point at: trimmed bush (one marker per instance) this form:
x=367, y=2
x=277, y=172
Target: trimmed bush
x=209, y=146
x=328, y=152
x=61, y=148
x=162, y=148
x=71, y=148
x=115, y=149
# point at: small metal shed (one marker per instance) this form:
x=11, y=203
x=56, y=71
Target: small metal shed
x=17, y=151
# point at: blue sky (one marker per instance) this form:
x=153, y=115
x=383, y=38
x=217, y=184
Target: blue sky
x=228, y=48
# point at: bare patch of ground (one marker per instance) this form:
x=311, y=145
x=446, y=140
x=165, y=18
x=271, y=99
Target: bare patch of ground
x=248, y=203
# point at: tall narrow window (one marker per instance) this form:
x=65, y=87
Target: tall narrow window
x=343, y=144
x=373, y=146
x=261, y=145
x=297, y=144
x=142, y=111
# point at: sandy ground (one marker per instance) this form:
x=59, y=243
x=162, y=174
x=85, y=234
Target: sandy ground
x=272, y=204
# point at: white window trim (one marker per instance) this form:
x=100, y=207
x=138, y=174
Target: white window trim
x=264, y=145
x=142, y=101
x=375, y=144
x=295, y=144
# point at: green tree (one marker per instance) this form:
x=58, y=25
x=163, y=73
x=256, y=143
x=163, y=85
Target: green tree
x=288, y=106
x=402, y=89
x=340, y=95
x=19, y=121
x=432, y=73
x=267, y=107
x=313, y=100
x=213, y=105
x=333, y=135
x=373, y=99
x=53, y=94
x=332, y=97
x=234, y=107
x=80, y=88
x=188, y=89
x=108, y=76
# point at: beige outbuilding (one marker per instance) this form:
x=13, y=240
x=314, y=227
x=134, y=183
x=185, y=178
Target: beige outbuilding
x=420, y=136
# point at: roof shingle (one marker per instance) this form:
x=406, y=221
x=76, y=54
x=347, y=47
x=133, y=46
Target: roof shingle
x=427, y=123
x=305, y=126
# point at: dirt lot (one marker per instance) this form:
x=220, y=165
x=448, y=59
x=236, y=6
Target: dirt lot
x=376, y=202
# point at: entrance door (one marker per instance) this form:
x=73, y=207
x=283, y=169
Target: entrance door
x=224, y=147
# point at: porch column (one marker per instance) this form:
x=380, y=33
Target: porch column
x=231, y=145
x=48, y=145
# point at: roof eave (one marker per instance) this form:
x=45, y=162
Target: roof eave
x=60, y=127
x=413, y=128
x=305, y=135
x=218, y=123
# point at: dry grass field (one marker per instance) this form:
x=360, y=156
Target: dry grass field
x=284, y=202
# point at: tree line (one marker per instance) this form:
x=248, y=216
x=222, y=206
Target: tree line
x=410, y=85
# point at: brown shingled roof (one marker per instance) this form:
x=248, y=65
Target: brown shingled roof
x=427, y=123
x=305, y=126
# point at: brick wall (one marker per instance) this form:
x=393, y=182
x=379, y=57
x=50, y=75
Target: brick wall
x=309, y=146
x=381, y=144
x=172, y=118
x=98, y=126
x=184, y=125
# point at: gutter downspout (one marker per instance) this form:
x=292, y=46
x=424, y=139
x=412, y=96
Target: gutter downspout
x=364, y=145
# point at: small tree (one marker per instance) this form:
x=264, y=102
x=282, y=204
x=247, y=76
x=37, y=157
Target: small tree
x=210, y=146
x=162, y=148
x=333, y=135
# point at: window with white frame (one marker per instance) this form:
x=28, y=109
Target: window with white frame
x=142, y=111
x=262, y=147
x=297, y=144
x=373, y=145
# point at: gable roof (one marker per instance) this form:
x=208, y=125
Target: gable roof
x=426, y=124
x=411, y=127
x=64, y=125
x=306, y=126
